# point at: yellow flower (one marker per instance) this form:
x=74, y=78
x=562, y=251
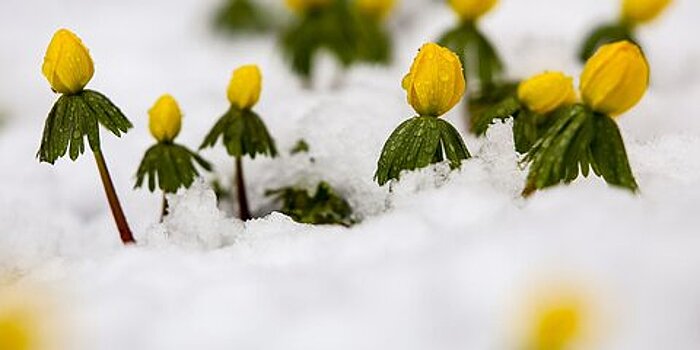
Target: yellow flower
x=642, y=11
x=27, y=321
x=471, y=10
x=436, y=82
x=379, y=9
x=615, y=78
x=165, y=119
x=546, y=92
x=245, y=86
x=67, y=64
x=301, y=6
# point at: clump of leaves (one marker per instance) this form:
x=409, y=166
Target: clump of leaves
x=325, y=207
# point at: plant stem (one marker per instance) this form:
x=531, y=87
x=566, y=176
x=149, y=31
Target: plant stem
x=117, y=212
x=164, y=210
x=243, y=209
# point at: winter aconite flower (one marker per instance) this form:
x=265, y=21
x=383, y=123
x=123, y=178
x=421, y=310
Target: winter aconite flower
x=67, y=64
x=245, y=86
x=242, y=130
x=374, y=42
x=615, y=78
x=168, y=164
x=643, y=11
x=165, y=119
x=78, y=113
x=546, y=92
x=584, y=136
x=435, y=83
x=471, y=10
x=378, y=9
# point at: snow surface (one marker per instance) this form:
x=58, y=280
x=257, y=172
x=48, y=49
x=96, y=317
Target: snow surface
x=443, y=261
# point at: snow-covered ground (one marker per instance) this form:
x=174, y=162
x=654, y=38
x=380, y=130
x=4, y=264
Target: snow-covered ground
x=444, y=261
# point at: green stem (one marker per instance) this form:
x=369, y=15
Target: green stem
x=244, y=209
x=117, y=212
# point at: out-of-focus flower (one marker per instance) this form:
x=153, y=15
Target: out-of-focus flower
x=642, y=11
x=67, y=64
x=165, y=119
x=379, y=9
x=27, y=322
x=244, y=89
x=471, y=10
x=436, y=82
x=301, y=6
x=547, y=91
x=615, y=79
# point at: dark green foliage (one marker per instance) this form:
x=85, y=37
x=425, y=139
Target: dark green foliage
x=169, y=165
x=502, y=110
x=602, y=35
x=374, y=42
x=240, y=16
x=243, y=133
x=482, y=100
x=332, y=28
x=417, y=143
x=325, y=207
x=578, y=140
x=479, y=58
x=74, y=117
x=300, y=147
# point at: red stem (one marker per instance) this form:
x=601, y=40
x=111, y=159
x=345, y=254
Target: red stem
x=117, y=212
x=244, y=209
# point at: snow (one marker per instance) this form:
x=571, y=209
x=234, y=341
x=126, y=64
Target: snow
x=445, y=260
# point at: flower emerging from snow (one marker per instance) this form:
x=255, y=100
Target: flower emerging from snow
x=615, y=79
x=642, y=11
x=244, y=88
x=67, y=64
x=547, y=91
x=471, y=10
x=165, y=119
x=436, y=82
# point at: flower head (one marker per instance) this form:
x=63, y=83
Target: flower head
x=379, y=9
x=436, y=82
x=302, y=6
x=165, y=119
x=546, y=92
x=67, y=64
x=471, y=10
x=244, y=88
x=615, y=78
x=642, y=11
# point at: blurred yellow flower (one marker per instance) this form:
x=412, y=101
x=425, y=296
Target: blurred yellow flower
x=436, y=82
x=301, y=6
x=615, y=78
x=546, y=92
x=165, y=119
x=642, y=11
x=471, y=10
x=244, y=89
x=27, y=322
x=379, y=9
x=67, y=64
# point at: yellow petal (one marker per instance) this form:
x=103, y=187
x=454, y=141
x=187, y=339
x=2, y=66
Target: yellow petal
x=165, y=119
x=471, y=10
x=615, y=79
x=379, y=9
x=435, y=83
x=302, y=6
x=67, y=64
x=244, y=89
x=546, y=92
x=642, y=11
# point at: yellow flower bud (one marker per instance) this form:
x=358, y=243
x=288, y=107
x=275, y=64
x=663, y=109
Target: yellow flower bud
x=379, y=9
x=546, y=92
x=642, y=11
x=471, y=10
x=615, y=78
x=301, y=6
x=245, y=86
x=67, y=64
x=436, y=82
x=165, y=119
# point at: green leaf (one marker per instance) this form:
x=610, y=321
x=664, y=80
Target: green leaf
x=452, y=143
x=325, y=207
x=241, y=16
x=610, y=156
x=604, y=34
x=243, y=133
x=374, y=42
x=169, y=166
x=505, y=109
x=526, y=130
